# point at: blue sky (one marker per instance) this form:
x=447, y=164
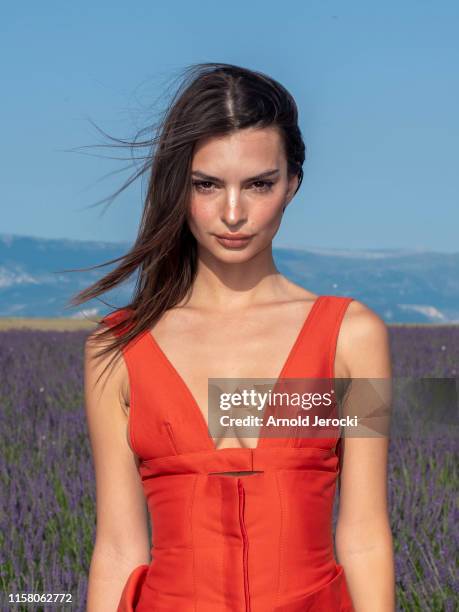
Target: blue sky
x=377, y=87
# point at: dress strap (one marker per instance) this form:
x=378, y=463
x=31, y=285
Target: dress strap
x=114, y=318
x=336, y=309
x=315, y=355
x=136, y=366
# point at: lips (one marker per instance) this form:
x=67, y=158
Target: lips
x=234, y=236
x=235, y=241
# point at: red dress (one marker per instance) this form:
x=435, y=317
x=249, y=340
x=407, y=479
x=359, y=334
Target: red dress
x=251, y=543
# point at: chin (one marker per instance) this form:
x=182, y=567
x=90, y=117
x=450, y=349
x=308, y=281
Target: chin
x=233, y=255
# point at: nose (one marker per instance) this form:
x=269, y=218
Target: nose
x=233, y=208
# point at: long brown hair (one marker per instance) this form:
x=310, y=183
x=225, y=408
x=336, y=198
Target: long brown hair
x=212, y=99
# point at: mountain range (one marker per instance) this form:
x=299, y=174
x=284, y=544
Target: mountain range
x=402, y=286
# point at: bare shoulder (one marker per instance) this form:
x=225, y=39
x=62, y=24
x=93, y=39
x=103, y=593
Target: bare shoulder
x=104, y=369
x=364, y=342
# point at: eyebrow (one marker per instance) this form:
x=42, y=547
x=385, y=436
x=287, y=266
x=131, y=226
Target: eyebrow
x=258, y=177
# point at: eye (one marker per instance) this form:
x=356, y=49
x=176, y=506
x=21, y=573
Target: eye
x=265, y=185
x=206, y=186
x=202, y=185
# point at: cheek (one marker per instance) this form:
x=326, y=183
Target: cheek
x=200, y=213
x=267, y=215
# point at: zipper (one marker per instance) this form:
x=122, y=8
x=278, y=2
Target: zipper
x=245, y=543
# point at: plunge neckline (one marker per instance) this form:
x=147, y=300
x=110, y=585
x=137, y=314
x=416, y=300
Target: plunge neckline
x=195, y=408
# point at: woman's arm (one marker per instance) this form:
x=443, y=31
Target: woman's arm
x=122, y=538
x=364, y=545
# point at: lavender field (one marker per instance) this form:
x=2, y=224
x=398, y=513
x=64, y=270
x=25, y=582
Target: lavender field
x=47, y=507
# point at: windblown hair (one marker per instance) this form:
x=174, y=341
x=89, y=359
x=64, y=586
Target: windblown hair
x=214, y=99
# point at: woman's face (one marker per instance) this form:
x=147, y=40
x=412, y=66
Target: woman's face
x=239, y=186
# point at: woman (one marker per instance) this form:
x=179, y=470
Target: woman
x=238, y=523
